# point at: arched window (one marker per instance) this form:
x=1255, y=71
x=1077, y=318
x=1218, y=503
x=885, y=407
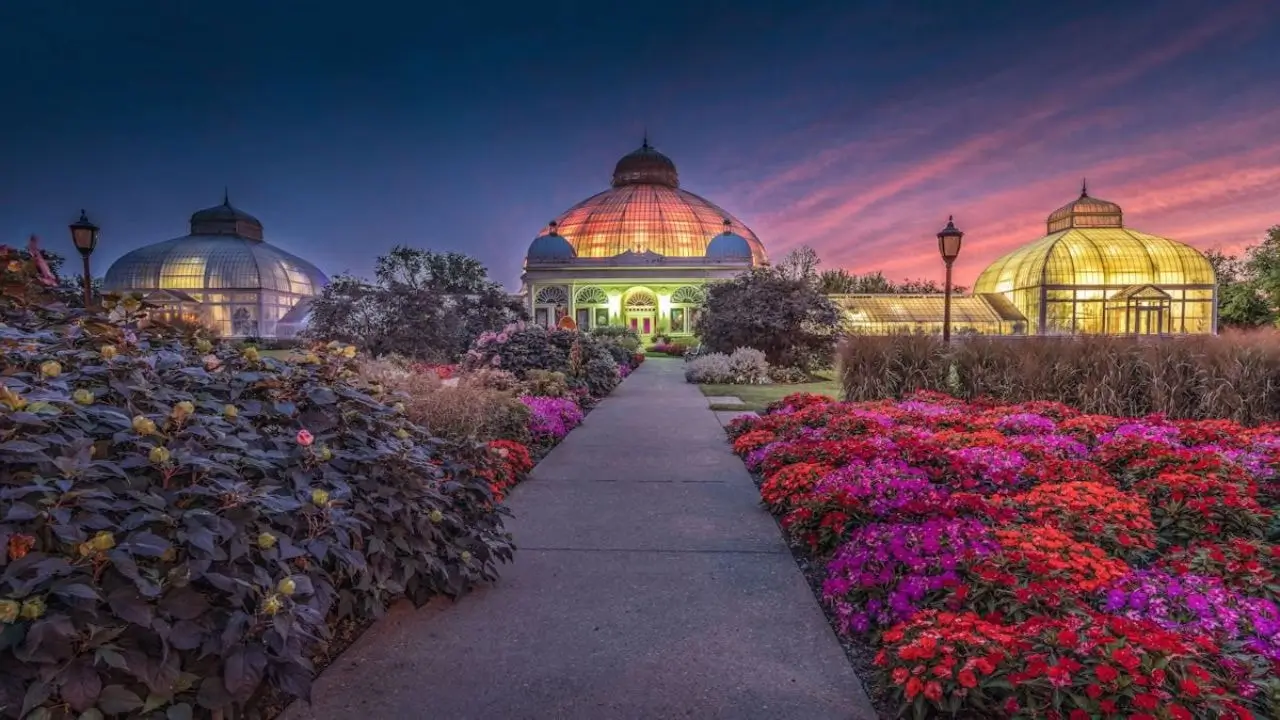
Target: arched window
x=685, y=302
x=550, y=304
x=591, y=305
x=641, y=299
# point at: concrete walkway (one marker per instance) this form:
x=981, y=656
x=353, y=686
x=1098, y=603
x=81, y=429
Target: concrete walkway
x=648, y=583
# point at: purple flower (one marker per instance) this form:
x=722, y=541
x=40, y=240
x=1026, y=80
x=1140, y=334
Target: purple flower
x=551, y=418
x=888, y=571
x=1026, y=424
x=1143, y=430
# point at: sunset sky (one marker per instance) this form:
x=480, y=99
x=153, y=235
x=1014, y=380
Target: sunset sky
x=854, y=127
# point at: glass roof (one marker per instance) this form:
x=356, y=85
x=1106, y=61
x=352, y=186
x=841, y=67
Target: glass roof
x=1098, y=257
x=214, y=262
x=965, y=309
x=648, y=217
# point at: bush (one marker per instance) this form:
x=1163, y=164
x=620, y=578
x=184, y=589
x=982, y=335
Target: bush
x=744, y=367
x=186, y=523
x=787, y=318
x=491, y=379
x=552, y=417
x=1229, y=376
x=673, y=349
x=545, y=383
x=585, y=361
x=619, y=336
x=788, y=375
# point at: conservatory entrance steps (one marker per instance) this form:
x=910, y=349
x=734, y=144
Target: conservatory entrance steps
x=648, y=583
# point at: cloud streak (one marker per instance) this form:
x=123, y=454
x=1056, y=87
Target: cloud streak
x=1181, y=160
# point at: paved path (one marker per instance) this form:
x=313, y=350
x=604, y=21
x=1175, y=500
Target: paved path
x=648, y=584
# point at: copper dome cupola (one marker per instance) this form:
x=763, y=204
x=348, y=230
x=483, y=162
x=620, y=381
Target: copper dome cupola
x=645, y=166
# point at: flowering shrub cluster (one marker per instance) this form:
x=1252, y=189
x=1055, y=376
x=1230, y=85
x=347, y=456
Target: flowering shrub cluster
x=1030, y=561
x=551, y=418
x=184, y=523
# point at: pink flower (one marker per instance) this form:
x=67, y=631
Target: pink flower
x=305, y=438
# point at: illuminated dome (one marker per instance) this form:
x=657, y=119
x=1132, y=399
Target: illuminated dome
x=646, y=211
x=1089, y=267
x=551, y=246
x=241, y=284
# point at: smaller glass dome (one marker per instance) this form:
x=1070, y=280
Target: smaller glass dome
x=729, y=244
x=552, y=246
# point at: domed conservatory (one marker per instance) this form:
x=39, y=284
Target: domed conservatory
x=224, y=275
x=1089, y=274
x=637, y=254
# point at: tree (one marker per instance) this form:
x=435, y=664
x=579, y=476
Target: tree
x=422, y=304
x=837, y=282
x=774, y=311
x=1240, y=304
x=801, y=264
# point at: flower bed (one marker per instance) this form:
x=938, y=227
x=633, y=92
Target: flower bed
x=1030, y=561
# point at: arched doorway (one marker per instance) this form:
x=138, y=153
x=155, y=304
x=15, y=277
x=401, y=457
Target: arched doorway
x=641, y=308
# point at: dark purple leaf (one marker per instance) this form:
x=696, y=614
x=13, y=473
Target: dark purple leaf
x=37, y=693
x=118, y=700
x=181, y=711
x=186, y=635
x=129, y=605
x=243, y=671
x=18, y=447
x=183, y=603
x=146, y=544
x=213, y=695
x=80, y=686
x=78, y=591
x=19, y=512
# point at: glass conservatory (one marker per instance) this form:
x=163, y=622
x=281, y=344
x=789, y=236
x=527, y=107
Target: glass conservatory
x=1091, y=274
x=885, y=314
x=224, y=275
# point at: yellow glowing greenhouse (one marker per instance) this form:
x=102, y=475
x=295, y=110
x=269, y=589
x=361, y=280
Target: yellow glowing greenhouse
x=1091, y=274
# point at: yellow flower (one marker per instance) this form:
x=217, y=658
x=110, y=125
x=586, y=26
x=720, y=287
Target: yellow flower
x=250, y=353
x=320, y=497
x=398, y=407
x=266, y=540
x=159, y=455
x=9, y=610
x=402, y=433
x=103, y=541
x=131, y=303
x=82, y=396
x=436, y=516
x=12, y=398
x=15, y=266
x=230, y=412
x=33, y=609
x=51, y=368
x=286, y=587
x=272, y=605
x=143, y=425
x=349, y=351
x=325, y=453
x=203, y=346
x=466, y=556
x=86, y=549
x=183, y=409
x=107, y=351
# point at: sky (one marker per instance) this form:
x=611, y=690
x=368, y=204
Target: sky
x=855, y=127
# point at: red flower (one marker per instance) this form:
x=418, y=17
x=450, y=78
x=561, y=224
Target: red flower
x=914, y=686
x=20, y=545
x=1146, y=701
x=933, y=690
x=1093, y=690
x=967, y=679
x=305, y=438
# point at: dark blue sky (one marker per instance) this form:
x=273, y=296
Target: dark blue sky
x=855, y=127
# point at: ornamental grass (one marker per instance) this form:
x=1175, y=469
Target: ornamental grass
x=1033, y=561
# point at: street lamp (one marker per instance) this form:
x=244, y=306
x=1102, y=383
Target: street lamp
x=949, y=247
x=85, y=236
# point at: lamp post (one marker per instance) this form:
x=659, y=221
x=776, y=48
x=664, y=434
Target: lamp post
x=85, y=236
x=949, y=247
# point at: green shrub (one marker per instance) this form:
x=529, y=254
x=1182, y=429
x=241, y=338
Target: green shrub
x=184, y=524
x=619, y=335
x=545, y=383
x=490, y=378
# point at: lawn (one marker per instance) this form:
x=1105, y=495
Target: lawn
x=756, y=397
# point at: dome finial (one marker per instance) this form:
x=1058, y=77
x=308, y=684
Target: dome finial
x=1084, y=187
x=226, y=196
x=553, y=227
x=644, y=145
